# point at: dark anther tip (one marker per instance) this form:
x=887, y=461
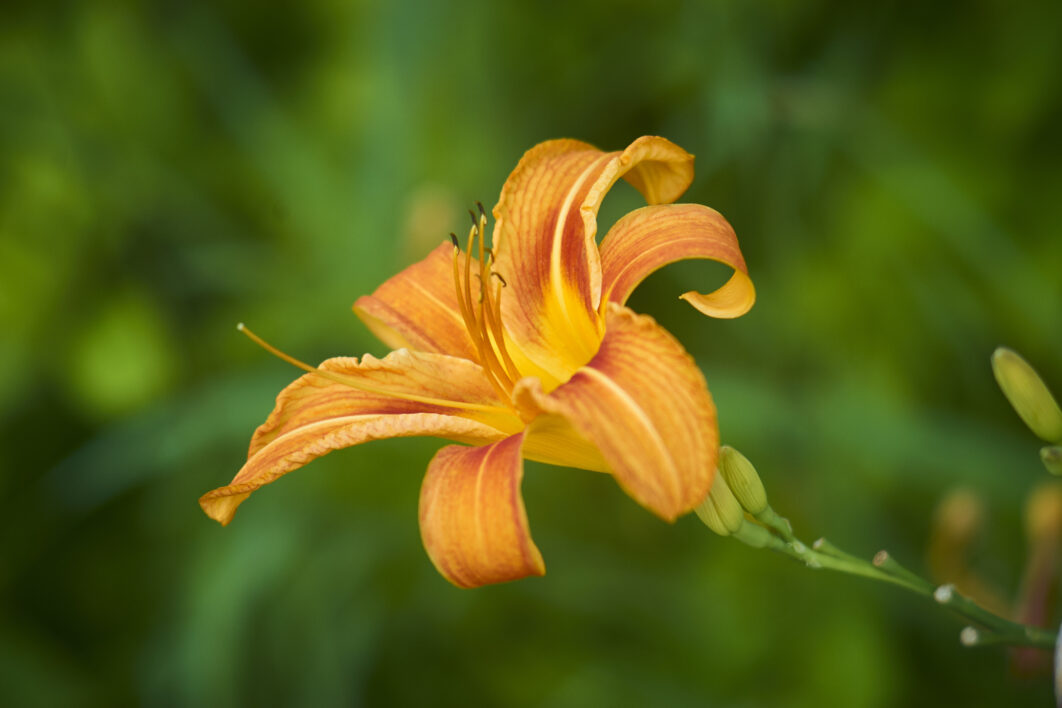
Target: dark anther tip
x=453, y=237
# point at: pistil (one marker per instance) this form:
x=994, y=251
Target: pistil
x=354, y=383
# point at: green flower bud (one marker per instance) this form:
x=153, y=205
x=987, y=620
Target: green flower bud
x=1052, y=457
x=742, y=479
x=1029, y=395
x=720, y=511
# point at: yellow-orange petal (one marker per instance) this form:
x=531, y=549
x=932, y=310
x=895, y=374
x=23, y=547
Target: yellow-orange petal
x=651, y=237
x=472, y=517
x=299, y=446
x=644, y=403
x=402, y=382
x=545, y=241
x=417, y=308
x=412, y=393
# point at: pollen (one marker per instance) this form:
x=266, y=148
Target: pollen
x=482, y=313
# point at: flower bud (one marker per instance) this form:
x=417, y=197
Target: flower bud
x=1052, y=458
x=742, y=479
x=720, y=511
x=1029, y=395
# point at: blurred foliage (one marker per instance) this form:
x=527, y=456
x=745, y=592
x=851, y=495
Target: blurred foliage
x=169, y=169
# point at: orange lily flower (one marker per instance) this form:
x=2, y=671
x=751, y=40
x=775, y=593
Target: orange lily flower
x=525, y=350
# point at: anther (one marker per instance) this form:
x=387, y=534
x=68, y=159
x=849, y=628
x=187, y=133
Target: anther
x=481, y=209
x=453, y=237
x=475, y=221
x=497, y=275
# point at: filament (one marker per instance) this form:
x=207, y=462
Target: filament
x=482, y=318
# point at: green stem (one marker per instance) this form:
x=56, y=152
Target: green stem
x=1029, y=636
x=884, y=568
x=834, y=558
x=1001, y=630
x=886, y=562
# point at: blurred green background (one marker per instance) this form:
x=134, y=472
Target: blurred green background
x=169, y=169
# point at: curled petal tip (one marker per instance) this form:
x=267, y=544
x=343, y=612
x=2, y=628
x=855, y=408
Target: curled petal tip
x=729, y=302
x=221, y=507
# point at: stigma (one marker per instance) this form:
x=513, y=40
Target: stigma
x=482, y=312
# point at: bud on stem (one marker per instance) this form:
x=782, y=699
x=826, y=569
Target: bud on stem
x=742, y=479
x=1028, y=394
x=720, y=511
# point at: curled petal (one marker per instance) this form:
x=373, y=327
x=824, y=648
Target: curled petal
x=651, y=237
x=643, y=402
x=350, y=402
x=417, y=308
x=472, y=516
x=656, y=167
x=545, y=242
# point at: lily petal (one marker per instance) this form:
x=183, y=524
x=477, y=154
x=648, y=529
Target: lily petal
x=417, y=308
x=472, y=516
x=295, y=449
x=644, y=403
x=651, y=237
x=545, y=241
x=351, y=402
x=401, y=382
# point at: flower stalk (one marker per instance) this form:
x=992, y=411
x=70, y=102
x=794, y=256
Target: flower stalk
x=769, y=530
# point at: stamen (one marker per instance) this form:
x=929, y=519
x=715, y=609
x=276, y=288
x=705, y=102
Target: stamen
x=358, y=385
x=490, y=318
x=494, y=320
x=489, y=355
x=486, y=349
x=481, y=228
x=464, y=301
x=484, y=327
x=464, y=305
x=493, y=305
x=497, y=275
x=453, y=237
x=468, y=281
